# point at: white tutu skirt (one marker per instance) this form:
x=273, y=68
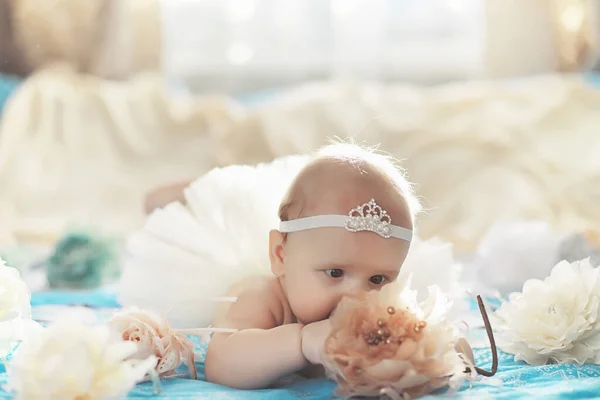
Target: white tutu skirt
x=187, y=257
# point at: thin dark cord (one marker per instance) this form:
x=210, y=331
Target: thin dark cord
x=490, y=335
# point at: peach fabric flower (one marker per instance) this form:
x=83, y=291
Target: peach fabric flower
x=385, y=343
x=154, y=336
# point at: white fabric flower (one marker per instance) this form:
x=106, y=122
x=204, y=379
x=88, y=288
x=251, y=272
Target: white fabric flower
x=554, y=320
x=14, y=294
x=15, y=308
x=72, y=360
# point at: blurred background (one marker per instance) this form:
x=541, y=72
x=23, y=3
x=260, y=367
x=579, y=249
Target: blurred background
x=493, y=105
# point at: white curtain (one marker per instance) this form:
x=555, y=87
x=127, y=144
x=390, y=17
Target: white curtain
x=243, y=44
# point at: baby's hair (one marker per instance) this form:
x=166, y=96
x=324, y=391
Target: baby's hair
x=359, y=156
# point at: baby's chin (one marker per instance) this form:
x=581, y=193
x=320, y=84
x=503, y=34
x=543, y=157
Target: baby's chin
x=306, y=320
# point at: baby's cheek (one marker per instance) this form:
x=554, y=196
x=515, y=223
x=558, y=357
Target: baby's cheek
x=328, y=304
x=315, y=306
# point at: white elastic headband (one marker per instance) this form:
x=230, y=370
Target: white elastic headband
x=366, y=217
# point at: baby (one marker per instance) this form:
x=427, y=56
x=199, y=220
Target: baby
x=282, y=321
x=160, y=197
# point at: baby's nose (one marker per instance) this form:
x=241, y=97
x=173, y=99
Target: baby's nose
x=356, y=287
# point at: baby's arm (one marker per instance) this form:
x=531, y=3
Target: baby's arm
x=260, y=352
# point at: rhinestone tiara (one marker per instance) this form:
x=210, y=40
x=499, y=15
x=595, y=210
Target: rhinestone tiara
x=365, y=217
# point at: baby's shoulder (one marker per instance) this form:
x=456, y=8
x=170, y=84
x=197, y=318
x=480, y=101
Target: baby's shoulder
x=258, y=305
x=257, y=289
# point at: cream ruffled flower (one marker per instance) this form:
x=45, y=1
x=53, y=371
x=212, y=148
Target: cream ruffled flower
x=554, y=320
x=431, y=262
x=153, y=336
x=15, y=309
x=387, y=343
x=71, y=360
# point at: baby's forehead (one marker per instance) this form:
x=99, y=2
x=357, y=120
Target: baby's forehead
x=362, y=250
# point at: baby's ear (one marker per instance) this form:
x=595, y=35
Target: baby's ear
x=276, y=255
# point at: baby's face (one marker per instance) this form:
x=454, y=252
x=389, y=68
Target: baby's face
x=322, y=265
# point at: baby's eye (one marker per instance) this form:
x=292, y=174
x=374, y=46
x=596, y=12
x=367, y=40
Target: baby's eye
x=377, y=279
x=334, y=273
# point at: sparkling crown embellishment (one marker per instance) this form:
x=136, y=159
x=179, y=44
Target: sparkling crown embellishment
x=369, y=217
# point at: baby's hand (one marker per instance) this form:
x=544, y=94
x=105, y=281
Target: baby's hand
x=313, y=340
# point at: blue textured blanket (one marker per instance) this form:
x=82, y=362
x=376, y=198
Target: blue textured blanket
x=8, y=85
x=518, y=380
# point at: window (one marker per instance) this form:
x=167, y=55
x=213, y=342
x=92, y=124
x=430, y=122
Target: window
x=270, y=42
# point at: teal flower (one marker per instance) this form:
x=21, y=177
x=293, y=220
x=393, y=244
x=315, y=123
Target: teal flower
x=83, y=260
